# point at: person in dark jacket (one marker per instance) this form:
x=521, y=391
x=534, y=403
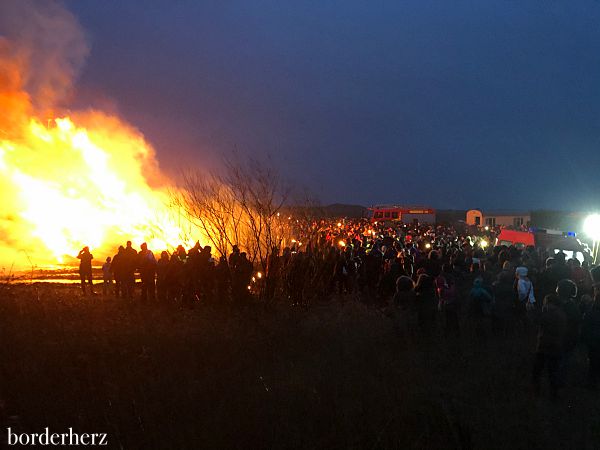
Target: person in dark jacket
x=119, y=272
x=591, y=337
x=147, y=267
x=129, y=267
x=448, y=300
x=241, y=277
x=222, y=280
x=162, y=276
x=426, y=304
x=550, y=344
x=405, y=302
x=566, y=290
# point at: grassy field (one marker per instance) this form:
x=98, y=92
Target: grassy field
x=336, y=375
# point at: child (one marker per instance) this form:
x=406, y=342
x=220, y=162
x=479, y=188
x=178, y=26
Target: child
x=107, y=276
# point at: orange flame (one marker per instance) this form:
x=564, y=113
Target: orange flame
x=88, y=179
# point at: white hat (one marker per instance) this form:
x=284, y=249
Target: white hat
x=521, y=271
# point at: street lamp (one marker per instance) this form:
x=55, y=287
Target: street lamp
x=591, y=227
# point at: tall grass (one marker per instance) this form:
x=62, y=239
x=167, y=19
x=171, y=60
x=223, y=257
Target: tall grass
x=336, y=375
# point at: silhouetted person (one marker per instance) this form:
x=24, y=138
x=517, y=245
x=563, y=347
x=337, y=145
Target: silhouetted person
x=85, y=269
x=234, y=258
x=405, y=301
x=147, y=266
x=448, y=299
x=118, y=270
x=107, y=276
x=241, y=277
x=591, y=337
x=162, y=276
x=566, y=291
x=480, y=307
x=176, y=274
x=426, y=303
x=129, y=266
x=550, y=344
x=205, y=273
x=222, y=279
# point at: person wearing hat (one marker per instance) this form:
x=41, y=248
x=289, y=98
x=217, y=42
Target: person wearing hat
x=524, y=288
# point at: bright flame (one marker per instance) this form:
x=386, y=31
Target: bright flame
x=71, y=186
x=342, y=243
x=68, y=182
x=483, y=244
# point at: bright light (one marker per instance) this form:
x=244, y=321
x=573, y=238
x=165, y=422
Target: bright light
x=253, y=279
x=259, y=275
x=483, y=244
x=487, y=228
x=249, y=287
x=339, y=224
x=342, y=244
x=428, y=245
x=591, y=226
x=293, y=241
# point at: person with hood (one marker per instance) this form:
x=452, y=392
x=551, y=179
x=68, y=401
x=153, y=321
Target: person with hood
x=524, y=295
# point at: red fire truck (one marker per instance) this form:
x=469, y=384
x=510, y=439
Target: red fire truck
x=552, y=241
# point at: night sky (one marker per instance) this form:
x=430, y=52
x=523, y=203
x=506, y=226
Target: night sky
x=452, y=104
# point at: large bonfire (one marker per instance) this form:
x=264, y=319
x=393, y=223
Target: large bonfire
x=69, y=180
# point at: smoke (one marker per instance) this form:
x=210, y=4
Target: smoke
x=47, y=44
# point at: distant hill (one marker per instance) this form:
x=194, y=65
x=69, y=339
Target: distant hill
x=342, y=210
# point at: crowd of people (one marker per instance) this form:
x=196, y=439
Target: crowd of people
x=433, y=277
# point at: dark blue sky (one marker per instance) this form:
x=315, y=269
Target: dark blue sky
x=454, y=104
